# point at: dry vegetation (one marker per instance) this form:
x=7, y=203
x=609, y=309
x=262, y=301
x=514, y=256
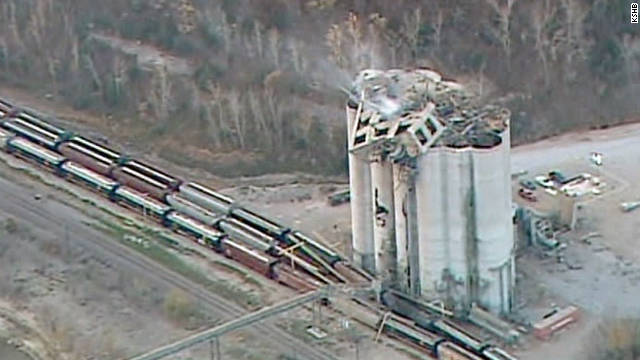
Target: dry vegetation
x=617, y=339
x=261, y=80
x=82, y=305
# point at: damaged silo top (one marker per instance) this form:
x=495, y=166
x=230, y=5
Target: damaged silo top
x=408, y=111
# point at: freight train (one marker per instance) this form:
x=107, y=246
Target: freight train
x=186, y=207
x=461, y=344
x=217, y=222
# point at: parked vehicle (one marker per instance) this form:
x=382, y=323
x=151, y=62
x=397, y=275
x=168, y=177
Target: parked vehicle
x=557, y=177
x=544, y=181
x=527, y=195
x=528, y=184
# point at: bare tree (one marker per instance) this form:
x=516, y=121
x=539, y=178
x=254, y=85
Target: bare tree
x=160, y=92
x=275, y=111
x=504, y=24
x=576, y=13
x=437, y=29
x=411, y=28
x=259, y=117
x=258, y=29
x=274, y=46
x=237, y=116
x=541, y=15
x=335, y=40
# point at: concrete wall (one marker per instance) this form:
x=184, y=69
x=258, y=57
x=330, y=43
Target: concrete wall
x=494, y=227
x=383, y=219
x=465, y=225
x=402, y=182
x=442, y=189
x=361, y=205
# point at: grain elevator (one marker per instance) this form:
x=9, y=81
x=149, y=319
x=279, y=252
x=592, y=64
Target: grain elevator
x=430, y=188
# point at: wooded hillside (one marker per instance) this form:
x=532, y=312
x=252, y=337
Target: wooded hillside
x=248, y=86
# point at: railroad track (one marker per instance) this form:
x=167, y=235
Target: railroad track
x=60, y=224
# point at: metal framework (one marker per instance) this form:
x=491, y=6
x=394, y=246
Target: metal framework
x=214, y=333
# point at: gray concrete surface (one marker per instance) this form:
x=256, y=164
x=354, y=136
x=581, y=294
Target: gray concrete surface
x=8, y=352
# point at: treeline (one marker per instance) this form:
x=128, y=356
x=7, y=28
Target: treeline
x=263, y=79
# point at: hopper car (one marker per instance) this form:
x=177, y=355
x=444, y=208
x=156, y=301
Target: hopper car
x=31, y=132
x=259, y=262
x=205, y=235
x=459, y=335
x=36, y=121
x=451, y=351
x=87, y=157
x=140, y=182
x=153, y=173
x=104, y=152
x=419, y=338
x=206, y=198
x=27, y=149
x=494, y=353
x=328, y=255
x=87, y=177
x=139, y=201
x=259, y=222
x=246, y=234
x=186, y=207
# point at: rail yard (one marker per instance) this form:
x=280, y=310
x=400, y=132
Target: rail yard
x=278, y=253
x=213, y=220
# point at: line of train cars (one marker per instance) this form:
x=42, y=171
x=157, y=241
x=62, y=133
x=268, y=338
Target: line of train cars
x=217, y=222
x=442, y=339
x=213, y=219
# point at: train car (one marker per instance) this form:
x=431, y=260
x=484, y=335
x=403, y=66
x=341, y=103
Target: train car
x=261, y=263
x=5, y=108
x=5, y=136
x=245, y=234
x=140, y=182
x=494, y=353
x=35, y=120
x=90, y=178
x=259, y=222
x=32, y=132
x=206, y=197
x=29, y=150
x=419, y=338
x=86, y=158
x=186, y=207
x=459, y=335
x=153, y=173
x=138, y=200
x=102, y=151
x=451, y=351
x=205, y=235
x=329, y=256
x=295, y=280
x=350, y=273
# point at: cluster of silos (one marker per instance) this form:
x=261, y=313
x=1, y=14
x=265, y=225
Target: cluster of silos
x=434, y=222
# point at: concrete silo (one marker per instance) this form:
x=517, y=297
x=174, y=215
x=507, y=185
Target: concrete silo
x=439, y=165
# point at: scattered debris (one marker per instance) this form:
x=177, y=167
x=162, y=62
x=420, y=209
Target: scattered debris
x=587, y=238
x=493, y=324
x=630, y=206
x=339, y=197
x=316, y=332
x=555, y=321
